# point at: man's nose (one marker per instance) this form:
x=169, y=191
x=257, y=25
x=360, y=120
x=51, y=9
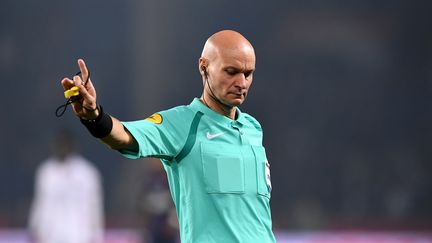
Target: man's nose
x=241, y=81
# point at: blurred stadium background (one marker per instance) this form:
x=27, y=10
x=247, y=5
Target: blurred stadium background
x=342, y=89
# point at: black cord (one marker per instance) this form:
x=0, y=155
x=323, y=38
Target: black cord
x=212, y=94
x=62, y=109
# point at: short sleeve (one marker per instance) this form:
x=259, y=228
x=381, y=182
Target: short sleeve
x=161, y=135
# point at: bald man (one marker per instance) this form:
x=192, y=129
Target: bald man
x=212, y=152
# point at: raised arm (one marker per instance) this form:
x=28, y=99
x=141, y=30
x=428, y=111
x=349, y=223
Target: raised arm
x=101, y=125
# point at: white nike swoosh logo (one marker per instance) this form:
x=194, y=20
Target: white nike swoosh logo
x=211, y=136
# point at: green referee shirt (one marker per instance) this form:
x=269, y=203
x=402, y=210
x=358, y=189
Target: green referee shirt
x=217, y=169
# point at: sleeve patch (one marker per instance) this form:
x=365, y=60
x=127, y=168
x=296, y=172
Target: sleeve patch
x=155, y=118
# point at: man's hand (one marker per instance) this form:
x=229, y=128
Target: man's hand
x=85, y=107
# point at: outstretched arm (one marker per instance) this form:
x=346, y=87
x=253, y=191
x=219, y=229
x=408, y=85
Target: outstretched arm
x=86, y=108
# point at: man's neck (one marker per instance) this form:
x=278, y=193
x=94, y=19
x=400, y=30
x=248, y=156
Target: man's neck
x=217, y=106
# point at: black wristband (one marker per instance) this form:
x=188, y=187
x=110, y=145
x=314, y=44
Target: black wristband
x=101, y=126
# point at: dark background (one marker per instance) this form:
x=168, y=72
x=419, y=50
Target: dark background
x=342, y=90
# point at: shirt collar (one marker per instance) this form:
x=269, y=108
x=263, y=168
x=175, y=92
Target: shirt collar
x=197, y=105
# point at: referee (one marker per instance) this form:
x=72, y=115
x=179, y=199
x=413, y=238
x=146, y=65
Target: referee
x=212, y=152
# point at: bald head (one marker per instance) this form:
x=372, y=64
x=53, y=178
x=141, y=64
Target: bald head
x=226, y=65
x=223, y=41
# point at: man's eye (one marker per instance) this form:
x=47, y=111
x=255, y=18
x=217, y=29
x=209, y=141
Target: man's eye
x=247, y=74
x=231, y=71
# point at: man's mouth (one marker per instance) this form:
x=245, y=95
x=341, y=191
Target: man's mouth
x=239, y=94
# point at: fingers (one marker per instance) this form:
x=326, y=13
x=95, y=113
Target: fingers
x=77, y=81
x=83, y=69
x=89, y=86
x=87, y=94
x=85, y=75
x=86, y=91
x=88, y=100
x=67, y=83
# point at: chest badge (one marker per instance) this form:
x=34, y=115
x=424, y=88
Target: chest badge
x=268, y=178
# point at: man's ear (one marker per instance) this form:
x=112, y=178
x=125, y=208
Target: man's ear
x=202, y=65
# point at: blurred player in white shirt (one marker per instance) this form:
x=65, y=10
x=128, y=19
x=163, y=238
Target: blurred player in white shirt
x=67, y=206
